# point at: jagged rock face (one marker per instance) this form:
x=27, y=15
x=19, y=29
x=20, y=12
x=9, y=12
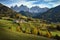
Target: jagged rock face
x=35, y=9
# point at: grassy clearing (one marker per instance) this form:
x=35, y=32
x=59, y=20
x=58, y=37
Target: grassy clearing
x=56, y=32
x=8, y=35
x=52, y=32
x=6, y=24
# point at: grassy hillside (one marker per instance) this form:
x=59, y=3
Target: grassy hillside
x=12, y=34
x=7, y=12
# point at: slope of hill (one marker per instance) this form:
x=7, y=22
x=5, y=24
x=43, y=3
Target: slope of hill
x=6, y=11
x=52, y=15
x=8, y=28
x=12, y=34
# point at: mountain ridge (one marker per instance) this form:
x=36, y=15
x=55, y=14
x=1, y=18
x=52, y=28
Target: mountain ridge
x=52, y=15
x=34, y=9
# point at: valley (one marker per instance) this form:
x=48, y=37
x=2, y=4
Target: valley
x=15, y=26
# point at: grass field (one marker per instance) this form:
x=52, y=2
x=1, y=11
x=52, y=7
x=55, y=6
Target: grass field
x=6, y=34
x=52, y=32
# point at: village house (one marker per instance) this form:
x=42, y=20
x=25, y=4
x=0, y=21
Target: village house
x=20, y=21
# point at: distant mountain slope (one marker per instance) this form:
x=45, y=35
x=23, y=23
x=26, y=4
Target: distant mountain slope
x=15, y=8
x=29, y=12
x=34, y=9
x=52, y=15
x=37, y=9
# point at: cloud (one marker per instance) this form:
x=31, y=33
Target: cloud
x=48, y=0
x=54, y=4
x=30, y=3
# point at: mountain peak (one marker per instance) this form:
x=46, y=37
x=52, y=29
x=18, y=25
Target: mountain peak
x=34, y=9
x=58, y=6
x=1, y=4
x=23, y=6
x=16, y=6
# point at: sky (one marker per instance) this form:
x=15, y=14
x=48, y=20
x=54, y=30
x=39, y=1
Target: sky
x=31, y=3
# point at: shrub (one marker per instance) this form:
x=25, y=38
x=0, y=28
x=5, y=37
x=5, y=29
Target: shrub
x=28, y=30
x=10, y=28
x=17, y=16
x=57, y=37
x=39, y=32
x=35, y=31
x=30, y=19
x=51, y=28
x=10, y=19
x=48, y=34
x=58, y=27
x=23, y=29
x=18, y=29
